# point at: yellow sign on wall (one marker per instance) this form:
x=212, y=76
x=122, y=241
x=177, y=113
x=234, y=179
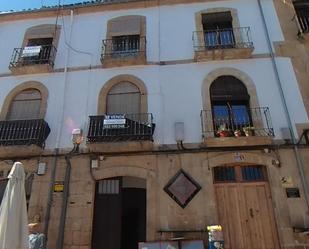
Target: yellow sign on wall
x=58, y=187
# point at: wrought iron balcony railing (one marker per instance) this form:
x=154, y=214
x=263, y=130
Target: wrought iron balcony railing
x=24, y=132
x=237, y=122
x=222, y=39
x=120, y=127
x=303, y=19
x=34, y=55
x=123, y=46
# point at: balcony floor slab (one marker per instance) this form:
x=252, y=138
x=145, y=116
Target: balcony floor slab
x=32, y=69
x=236, y=141
x=20, y=151
x=127, y=146
x=223, y=54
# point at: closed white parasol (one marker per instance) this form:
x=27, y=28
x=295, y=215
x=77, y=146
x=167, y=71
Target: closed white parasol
x=13, y=211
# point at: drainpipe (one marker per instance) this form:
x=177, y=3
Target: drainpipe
x=298, y=158
x=50, y=198
x=65, y=198
x=59, y=134
x=67, y=157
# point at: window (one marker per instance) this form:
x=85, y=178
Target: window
x=224, y=174
x=110, y=186
x=37, y=51
x=246, y=173
x=302, y=12
x=125, y=44
x=25, y=105
x=230, y=104
x=253, y=173
x=218, y=30
x=123, y=98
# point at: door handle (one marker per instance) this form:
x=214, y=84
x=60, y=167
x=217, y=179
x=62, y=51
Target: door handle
x=251, y=212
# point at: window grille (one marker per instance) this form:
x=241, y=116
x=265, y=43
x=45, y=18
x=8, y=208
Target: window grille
x=253, y=173
x=224, y=174
x=302, y=12
x=108, y=187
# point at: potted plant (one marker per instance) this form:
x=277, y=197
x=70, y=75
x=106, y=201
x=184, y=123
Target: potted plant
x=249, y=131
x=223, y=131
x=237, y=133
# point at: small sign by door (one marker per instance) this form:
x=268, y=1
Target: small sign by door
x=58, y=187
x=292, y=192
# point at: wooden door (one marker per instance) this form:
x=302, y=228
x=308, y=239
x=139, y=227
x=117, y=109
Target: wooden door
x=107, y=215
x=245, y=209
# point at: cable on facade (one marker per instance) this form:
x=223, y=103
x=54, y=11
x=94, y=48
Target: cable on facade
x=288, y=117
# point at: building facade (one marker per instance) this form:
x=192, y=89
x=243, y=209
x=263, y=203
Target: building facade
x=190, y=117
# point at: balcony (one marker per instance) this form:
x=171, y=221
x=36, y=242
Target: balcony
x=28, y=135
x=121, y=132
x=237, y=127
x=34, y=59
x=222, y=44
x=302, y=20
x=124, y=50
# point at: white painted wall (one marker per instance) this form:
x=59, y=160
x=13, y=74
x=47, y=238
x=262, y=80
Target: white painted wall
x=169, y=31
x=174, y=91
x=174, y=94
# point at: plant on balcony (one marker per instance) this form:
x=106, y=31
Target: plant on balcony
x=223, y=131
x=249, y=131
x=237, y=133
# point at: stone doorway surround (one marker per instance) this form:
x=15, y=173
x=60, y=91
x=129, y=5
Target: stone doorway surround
x=146, y=174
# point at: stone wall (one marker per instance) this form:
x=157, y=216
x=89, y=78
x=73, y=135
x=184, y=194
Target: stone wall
x=162, y=211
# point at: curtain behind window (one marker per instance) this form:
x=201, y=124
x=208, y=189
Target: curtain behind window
x=123, y=98
x=25, y=105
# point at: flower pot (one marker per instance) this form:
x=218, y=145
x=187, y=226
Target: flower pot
x=237, y=133
x=249, y=133
x=224, y=133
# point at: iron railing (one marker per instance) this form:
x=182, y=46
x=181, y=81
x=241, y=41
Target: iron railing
x=24, y=132
x=237, y=122
x=303, y=17
x=120, y=127
x=46, y=55
x=222, y=39
x=123, y=46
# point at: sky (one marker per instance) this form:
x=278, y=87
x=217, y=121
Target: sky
x=6, y=5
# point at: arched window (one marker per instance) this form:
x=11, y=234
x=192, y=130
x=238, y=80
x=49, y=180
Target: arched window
x=230, y=104
x=123, y=98
x=25, y=105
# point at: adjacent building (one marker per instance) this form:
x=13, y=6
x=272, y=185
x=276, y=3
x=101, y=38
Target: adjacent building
x=192, y=113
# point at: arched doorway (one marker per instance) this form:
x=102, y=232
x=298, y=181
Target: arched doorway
x=245, y=207
x=119, y=213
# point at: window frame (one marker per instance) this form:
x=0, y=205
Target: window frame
x=26, y=85
x=11, y=114
x=123, y=93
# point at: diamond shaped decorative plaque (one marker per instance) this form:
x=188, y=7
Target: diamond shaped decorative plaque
x=182, y=188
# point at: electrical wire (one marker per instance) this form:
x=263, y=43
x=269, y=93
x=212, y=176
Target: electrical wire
x=91, y=56
x=72, y=48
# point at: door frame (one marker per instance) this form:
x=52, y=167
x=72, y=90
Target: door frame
x=239, y=182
